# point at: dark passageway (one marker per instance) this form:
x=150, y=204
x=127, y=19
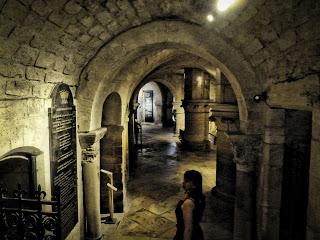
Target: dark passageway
x=156, y=189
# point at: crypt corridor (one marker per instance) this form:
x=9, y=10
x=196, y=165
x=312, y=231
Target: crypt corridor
x=229, y=87
x=161, y=164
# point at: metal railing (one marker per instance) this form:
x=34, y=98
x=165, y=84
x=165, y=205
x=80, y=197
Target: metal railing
x=29, y=218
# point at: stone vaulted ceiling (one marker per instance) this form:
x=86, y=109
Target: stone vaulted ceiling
x=43, y=42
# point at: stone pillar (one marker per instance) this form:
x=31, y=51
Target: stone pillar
x=270, y=180
x=89, y=142
x=227, y=120
x=196, y=105
x=179, y=116
x=246, y=155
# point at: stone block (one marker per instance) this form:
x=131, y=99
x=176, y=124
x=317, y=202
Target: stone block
x=69, y=68
x=274, y=135
x=268, y=34
x=104, y=17
x=247, y=14
x=46, y=60
x=59, y=18
x=59, y=64
x=12, y=70
x=295, y=94
x=41, y=8
x=94, y=43
x=273, y=155
x=15, y=10
x=27, y=55
x=73, y=30
x=6, y=26
x=87, y=21
x=56, y=77
x=308, y=31
x=316, y=124
x=287, y=40
x=84, y=38
x=72, y=7
x=315, y=159
x=104, y=36
x=270, y=223
x=19, y=88
x=260, y=57
x=34, y=73
x=313, y=218
x=42, y=90
x=7, y=48
x=275, y=117
x=253, y=47
x=96, y=30
x=22, y=35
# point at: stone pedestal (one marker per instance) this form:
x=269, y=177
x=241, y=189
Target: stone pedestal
x=89, y=142
x=246, y=155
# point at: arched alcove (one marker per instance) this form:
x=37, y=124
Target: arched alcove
x=111, y=151
x=21, y=166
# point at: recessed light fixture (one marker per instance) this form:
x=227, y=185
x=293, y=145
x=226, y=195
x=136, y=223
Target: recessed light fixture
x=224, y=4
x=210, y=18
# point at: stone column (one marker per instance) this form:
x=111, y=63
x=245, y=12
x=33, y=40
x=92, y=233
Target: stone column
x=227, y=120
x=196, y=105
x=179, y=116
x=246, y=155
x=89, y=142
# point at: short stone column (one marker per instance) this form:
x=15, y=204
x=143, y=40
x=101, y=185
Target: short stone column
x=89, y=142
x=246, y=151
x=196, y=105
x=179, y=116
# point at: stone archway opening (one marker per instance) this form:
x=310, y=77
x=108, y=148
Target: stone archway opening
x=111, y=152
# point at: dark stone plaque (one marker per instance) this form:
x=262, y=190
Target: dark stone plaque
x=63, y=163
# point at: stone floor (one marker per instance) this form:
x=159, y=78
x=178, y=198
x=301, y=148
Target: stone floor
x=157, y=187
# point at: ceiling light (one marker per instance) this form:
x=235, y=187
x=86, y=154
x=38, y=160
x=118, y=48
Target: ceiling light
x=210, y=18
x=224, y=4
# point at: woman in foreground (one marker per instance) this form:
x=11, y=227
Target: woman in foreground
x=189, y=211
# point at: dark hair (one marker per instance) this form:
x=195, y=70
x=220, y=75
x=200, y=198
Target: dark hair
x=196, y=178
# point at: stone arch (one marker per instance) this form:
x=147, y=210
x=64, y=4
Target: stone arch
x=22, y=166
x=157, y=102
x=111, y=151
x=103, y=68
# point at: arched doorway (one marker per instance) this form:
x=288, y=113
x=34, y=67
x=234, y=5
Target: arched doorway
x=111, y=152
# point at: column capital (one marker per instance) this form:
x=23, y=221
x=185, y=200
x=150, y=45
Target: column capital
x=201, y=105
x=246, y=150
x=224, y=110
x=87, y=141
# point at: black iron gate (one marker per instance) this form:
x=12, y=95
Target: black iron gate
x=29, y=218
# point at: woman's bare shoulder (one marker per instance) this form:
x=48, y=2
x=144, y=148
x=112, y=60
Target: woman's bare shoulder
x=188, y=203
